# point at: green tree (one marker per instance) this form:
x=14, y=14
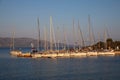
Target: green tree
x=109, y=43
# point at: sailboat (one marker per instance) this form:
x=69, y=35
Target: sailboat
x=18, y=53
x=91, y=52
x=37, y=53
x=50, y=53
x=14, y=52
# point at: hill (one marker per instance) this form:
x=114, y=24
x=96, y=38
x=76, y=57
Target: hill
x=19, y=42
x=23, y=42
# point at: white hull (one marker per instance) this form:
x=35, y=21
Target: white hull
x=15, y=53
x=92, y=53
x=106, y=53
x=80, y=54
x=36, y=55
x=73, y=54
x=20, y=54
x=55, y=55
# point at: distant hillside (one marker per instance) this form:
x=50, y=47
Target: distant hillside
x=22, y=42
x=19, y=42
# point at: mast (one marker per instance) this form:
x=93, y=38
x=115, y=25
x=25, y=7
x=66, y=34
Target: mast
x=74, y=34
x=67, y=44
x=93, y=37
x=81, y=34
x=64, y=37
x=91, y=34
x=106, y=35
x=89, y=30
x=13, y=45
x=99, y=46
x=51, y=36
x=46, y=37
x=54, y=40
x=45, y=44
x=38, y=34
x=58, y=37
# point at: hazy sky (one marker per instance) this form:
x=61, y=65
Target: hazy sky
x=21, y=16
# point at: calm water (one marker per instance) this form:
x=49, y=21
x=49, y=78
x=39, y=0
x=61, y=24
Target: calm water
x=92, y=68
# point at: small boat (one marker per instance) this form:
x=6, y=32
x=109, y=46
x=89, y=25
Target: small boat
x=92, y=53
x=15, y=52
x=79, y=54
x=106, y=53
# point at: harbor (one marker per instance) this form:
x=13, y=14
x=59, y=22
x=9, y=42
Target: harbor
x=61, y=49
x=59, y=39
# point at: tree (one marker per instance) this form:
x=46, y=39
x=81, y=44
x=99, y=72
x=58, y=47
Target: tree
x=109, y=43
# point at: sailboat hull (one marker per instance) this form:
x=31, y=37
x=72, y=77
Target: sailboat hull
x=15, y=53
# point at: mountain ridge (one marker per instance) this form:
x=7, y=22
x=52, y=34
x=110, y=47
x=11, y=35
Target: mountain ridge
x=18, y=42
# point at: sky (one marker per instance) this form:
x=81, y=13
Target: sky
x=20, y=16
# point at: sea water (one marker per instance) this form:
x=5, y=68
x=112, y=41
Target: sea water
x=87, y=68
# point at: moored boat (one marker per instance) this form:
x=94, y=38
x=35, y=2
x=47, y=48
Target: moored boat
x=79, y=54
x=92, y=53
x=15, y=52
x=108, y=53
